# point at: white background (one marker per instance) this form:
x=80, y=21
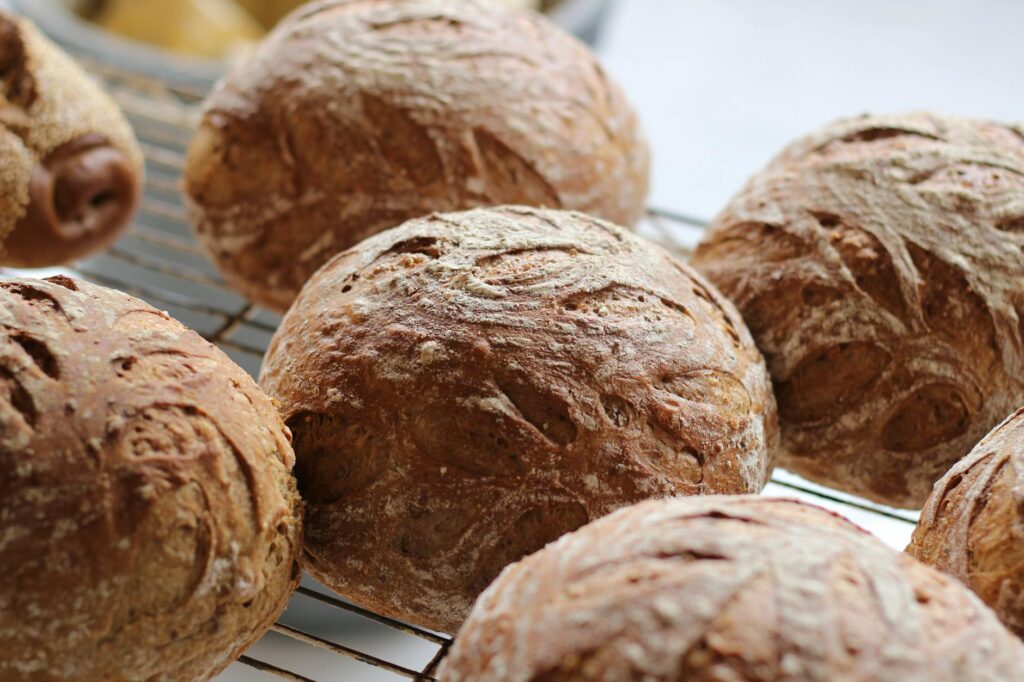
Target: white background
x=721, y=85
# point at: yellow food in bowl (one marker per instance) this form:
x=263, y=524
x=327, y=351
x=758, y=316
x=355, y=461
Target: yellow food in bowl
x=213, y=29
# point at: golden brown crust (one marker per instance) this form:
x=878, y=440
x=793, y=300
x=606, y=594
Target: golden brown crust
x=878, y=263
x=972, y=526
x=70, y=169
x=149, y=523
x=353, y=117
x=744, y=589
x=469, y=386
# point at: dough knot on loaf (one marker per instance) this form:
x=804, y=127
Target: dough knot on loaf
x=745, y=589
x=353, y=117
x=879, y=263
x=468, y=386
x=149, y=523
x=70, y=169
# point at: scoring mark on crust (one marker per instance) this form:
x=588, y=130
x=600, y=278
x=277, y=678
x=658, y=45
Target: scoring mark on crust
x=547, y=413
x=951, y=308
x=509, y=177
x=18, y=86
x=702, y=293
x=472, y=437
x=1015, y=225
x=40, y=354
x=422, y=245
x=876, y=133
x=63, y=281
x=532, y=530
x=15, y=394
x=752, y=241
x=33, y=296
x=931, y=415
x=868, y=261
x=619, y=411
x=830, y=381
x=335, y=456
x=404, y=143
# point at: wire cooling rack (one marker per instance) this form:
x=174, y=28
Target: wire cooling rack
x=320, y=637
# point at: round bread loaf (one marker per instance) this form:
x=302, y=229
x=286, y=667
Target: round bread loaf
x=469, y=386
x=879, y=265
x=149, y=523
x=70, y=170
x=743, y=589
x=973, y=524
x=353, y=117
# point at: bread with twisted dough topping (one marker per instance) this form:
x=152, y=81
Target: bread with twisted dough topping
x=353, y=117
x=149, y=522
x=468, y=386
x=737, y=589
x=70, y=169
x=879, y=263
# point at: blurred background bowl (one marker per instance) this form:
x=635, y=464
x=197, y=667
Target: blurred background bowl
x=65, y=21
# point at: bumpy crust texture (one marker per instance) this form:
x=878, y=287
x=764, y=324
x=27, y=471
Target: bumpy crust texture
x=744, y=589
x=149, y=523
x=46, y=103
x=973, y=524
x=353, y=117
x=880, y=266
x=469, y=386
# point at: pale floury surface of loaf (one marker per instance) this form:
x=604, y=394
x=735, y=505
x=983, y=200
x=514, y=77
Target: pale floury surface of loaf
x=469, y=386
x=353, y=117
x=149, y=523
x=879, y=263
x=723, y=588
x=47, y=101
x=973, y=524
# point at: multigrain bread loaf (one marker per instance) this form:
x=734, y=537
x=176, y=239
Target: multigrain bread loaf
x=879, y=263
x=353, y=117
x=70, y=170
x=973, y=524
x=149, y=523
x=737, y=589
x=469, y=386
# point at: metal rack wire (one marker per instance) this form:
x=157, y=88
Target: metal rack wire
x=159, y=261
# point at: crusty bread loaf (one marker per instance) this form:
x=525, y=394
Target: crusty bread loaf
x=469, y=386
x=70, y=170
x=973, y=524
x=728, y=589
x=149, y=523
x=878, y=263
x=353, y=117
